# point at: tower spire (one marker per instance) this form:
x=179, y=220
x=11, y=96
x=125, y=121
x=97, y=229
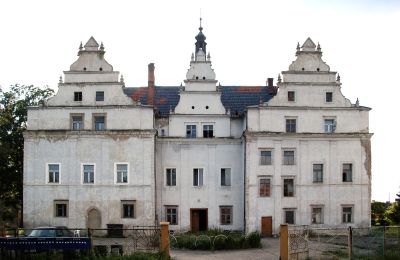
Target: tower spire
x=200, y=39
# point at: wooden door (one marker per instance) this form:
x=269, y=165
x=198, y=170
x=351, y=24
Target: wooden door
x=266, y=226
x=194, y=220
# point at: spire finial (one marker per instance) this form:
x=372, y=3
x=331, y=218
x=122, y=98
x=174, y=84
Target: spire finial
x=318, y=47
x=60, y=80
x=279, y=78
x=192, y=57
x=338, y=77
x=357, y=103
x=122, y=80
x=101, y=46
x=80, y=46
x=298, y=46
x=200, y=28
x=208, y=56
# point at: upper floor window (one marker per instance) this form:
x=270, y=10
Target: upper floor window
x=291, y=125
x=99, y=95
x=225, y=177
x=61, y=208
x=318, y=173
x=266, y=157
x=191, y=131
x=288, y=157
x=121, y=171
x=291, y=96
x=171, y=176
x=128, y=209
x=225, y=215
x=99, y=122
x=288, y=187
x=347, y=175
x=171, y=213
x=265, y=187
x=208, y=131
x=328, y=97
x=88, y=173
x=77, y=96
x=198, y=177
x=77, y=122
x=330, y=125
x=53, y=171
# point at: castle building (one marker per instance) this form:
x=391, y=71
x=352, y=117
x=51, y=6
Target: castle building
x=201, y=155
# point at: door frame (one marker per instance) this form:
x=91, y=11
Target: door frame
x=266, y=217
x=191, y=217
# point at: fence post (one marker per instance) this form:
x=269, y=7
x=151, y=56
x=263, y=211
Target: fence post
x=350, y=242
x=164, y=243
x=284, y=242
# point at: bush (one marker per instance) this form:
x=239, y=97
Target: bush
x=254, y=240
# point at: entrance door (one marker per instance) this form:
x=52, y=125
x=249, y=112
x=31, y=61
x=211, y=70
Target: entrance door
x=94, y=219
x=198, y=219
x=266, y=226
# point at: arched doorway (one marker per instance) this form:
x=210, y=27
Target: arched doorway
x=94, y=219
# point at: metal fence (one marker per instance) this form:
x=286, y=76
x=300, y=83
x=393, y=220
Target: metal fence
x=76, y=243
x=305, y=242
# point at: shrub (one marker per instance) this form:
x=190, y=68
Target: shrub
x=254, y=240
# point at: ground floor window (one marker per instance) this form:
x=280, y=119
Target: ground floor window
x=347, y=214
x=171, y=213
x=61, y=208
x=225, y=215
x=317, y=215
x=128, y=209
x=289, y=215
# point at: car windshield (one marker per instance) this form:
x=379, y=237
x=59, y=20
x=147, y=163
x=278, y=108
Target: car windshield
x=43, y=233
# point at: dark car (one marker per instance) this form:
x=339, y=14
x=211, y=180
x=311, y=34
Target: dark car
x=59, y=231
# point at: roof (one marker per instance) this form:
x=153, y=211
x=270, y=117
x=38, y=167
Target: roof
x=234, y=98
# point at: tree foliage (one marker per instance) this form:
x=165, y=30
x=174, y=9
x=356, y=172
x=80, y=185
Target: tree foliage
x=378, y=213
x=13, y=118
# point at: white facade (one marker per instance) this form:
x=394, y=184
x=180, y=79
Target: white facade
x=302, y=156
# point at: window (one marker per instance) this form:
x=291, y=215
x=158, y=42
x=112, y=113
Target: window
x=288, y=187
x=171, y=213
x=330, y=125
x=225, y=213
x=288, y=157
x=290, y=125
x=289, y=216
x=317, y=215
x=77, y=122
x=347, y=172
x=208, y=131
x=88, y=173
x=99, y=123
x=122, y=172
x=53, y=173
x=61, y=208
x=225, y=177
x=77, y=96
x=191, y=131
x=291, y=96
x=265, y=187
x=171, y=177
x=99, y=95
x=318, y=175
x=128, y=208
x=198, y=177
x=347, y=214
x=328, y=96
x=266, y=157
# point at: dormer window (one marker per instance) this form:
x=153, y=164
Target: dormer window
x=77, y=96
x=208, y=131
x=291, y=96
x=328, y=97
x=99, y=95
x=190, y=131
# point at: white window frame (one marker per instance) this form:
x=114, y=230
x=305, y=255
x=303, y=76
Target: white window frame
x=229, y=179
x=115, y=173
x=198, y=177
x=166, y=176
x=196, y=129
x=329, y=128
x=296, y=124
x=82, y=125
x=208, y=124
x=104, y=115
x=83, y=173
x=47, y=174
x=322, y=214
x=261, y=157
x=294, y=156
x=342, y=214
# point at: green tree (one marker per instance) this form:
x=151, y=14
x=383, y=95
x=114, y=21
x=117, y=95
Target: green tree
x=378, y=213
x=13, y=117
x=392, y=213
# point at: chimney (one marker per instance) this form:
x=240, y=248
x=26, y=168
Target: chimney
x=150, y=85
x=270, y=82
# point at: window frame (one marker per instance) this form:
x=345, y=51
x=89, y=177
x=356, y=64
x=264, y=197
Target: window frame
x=192, y=134
x=289, y=126
x=97, y=96
x=78, y=96
x=286, y=160
x=208, y=125
x=223, y=216
x=61, y=202
x=48, y=173
x=286, y=192
x=116, y=173
x=172, y=179
x=268, y=192
x=344, y=218
x=347, y=180
x=83, y=173
x=199, y=180
x=94, y=116
x=330, y=95
x=329, y=128
x=291, y=96
x=128, y=203
x=265, y=158
x=81, y=125
x=227, y=176
x=321, y=207
x=316, y=178
x=170, y=215
x=285, y=216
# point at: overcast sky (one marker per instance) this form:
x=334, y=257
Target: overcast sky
x=249, y=41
